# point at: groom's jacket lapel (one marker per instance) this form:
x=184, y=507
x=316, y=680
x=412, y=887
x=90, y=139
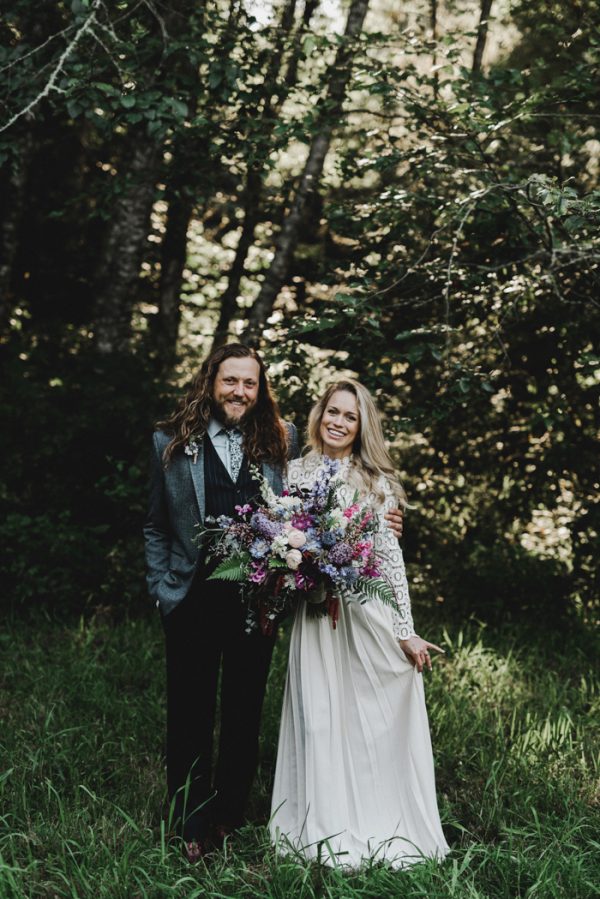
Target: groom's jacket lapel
x=197, y=470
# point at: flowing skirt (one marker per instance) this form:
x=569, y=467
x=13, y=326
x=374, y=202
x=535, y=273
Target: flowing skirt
x=354, y=777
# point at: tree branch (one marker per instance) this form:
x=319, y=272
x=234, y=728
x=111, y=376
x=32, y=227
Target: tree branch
x=51, y=83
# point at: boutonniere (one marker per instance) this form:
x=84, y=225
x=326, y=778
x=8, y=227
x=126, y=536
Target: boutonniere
x=192, y=447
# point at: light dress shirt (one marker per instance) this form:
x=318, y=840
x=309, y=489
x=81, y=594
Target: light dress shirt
x=218, y=435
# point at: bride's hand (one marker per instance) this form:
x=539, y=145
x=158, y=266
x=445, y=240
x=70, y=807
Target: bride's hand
x=416, y=651
x=395, y=521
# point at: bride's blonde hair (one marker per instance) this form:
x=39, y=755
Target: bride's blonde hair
x=370, y=458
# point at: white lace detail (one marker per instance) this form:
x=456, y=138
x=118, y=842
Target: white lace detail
x=388, y=549
x=303, y=472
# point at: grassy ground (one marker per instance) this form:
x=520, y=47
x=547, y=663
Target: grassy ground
x=515, y=722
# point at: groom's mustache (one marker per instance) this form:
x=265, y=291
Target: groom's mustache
x=219, y=411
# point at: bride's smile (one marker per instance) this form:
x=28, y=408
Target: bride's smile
x=340, y=424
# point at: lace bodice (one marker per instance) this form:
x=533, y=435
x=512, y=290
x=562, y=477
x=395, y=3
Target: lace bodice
x=303, y=472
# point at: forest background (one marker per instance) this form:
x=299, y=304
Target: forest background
x=404, y=192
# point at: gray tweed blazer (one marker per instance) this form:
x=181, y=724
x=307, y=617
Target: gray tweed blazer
x=176, y=507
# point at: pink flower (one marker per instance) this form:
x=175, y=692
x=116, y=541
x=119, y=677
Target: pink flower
x=302, y=520
x=296, y=538
x=303, y=582
x=351, y=510
x=259, y=573
x=363, y=549
x=243, y=510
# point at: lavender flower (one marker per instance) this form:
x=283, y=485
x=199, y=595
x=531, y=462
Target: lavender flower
x=328, y=570
x=261, y=523
x=340, y=553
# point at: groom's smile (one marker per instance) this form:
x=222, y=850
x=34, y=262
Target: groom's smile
x=235, y=390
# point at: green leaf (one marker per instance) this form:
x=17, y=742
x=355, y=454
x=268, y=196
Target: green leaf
x=128, y=101
x=179, y=108
x=108, y=89
x=232, y=569
x=73, y=108
x=375, y=588
x=308, y=44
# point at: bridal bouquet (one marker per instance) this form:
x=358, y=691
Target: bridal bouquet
x=304, y=544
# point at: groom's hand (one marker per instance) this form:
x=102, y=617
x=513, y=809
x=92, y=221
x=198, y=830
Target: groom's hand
x=395, y=519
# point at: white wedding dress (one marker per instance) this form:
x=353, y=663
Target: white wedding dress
x=354, y=777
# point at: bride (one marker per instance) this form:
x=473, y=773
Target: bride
x=354, y=778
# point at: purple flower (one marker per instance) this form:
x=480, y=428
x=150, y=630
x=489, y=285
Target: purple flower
x=302, y=520
x=303, y=581
x=340, y=553
x=329, y=570
x=258, y=573
x=263, y=525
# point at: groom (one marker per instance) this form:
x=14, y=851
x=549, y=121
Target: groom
x=202, y=465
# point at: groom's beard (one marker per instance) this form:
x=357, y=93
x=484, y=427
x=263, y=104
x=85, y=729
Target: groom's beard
x=230, y=421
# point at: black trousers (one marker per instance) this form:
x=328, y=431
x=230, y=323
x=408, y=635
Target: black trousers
x=205, y=631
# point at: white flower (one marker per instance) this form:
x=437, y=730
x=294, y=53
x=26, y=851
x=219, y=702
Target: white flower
x=296, y=538
x=267, y=493
x=293, y=559
x=280, y=546
x=289, y=502
x=337, y=518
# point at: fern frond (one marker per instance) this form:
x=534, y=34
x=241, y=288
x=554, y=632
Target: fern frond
x=231, y=569
x=375, y=588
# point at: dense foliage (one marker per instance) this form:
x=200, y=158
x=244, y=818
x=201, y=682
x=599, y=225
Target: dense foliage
x=416, y=202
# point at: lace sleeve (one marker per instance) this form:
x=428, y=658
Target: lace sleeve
x=388, y=550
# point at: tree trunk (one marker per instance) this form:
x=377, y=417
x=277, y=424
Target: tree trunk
x=433, y=19
x=174, y=245
x=288, y=238
x=291, y=75
x=251, y=218
x=255, y=177
x=13, y=213
x=173, y=258
x=181, y=201
x=482, y=31
x=124, y=249
x=129, y=228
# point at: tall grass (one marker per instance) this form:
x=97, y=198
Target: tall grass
x=515, y=721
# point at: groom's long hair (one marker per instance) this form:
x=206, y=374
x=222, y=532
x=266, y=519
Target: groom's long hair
x=265, y=436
